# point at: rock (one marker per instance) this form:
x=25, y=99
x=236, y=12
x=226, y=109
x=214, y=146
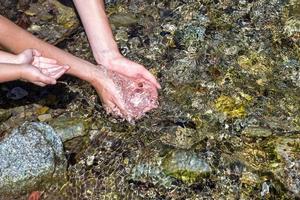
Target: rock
x=186, y=166
x=180, y=137
x=254, y=131
x=51, y=20
x=122, y=19
x=44, y=117
x=231, y=107
x=255, y=63
x=17, y=93
x=68, y=129
x=31, y=157
x=292, y=20
x=42, y=110
x=287, y=169
x=147, y=172
x=90, y=160
x=4, y=115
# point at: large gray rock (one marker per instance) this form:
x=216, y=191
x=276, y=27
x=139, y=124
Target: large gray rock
x=31, y=157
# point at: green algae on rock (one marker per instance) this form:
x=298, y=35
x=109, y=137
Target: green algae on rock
x=230, y=107
x=186, y=166
x=68, y=129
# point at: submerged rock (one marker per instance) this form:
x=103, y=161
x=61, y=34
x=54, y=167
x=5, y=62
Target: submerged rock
x=231, y=107
x=68, y=129
x=51, y=20
x=287, y=167
x=17, y=93
x=255, y=131
x=146, y=172
x=180, y=137
x=122, y=19
x=31, y=157
x=186, y=166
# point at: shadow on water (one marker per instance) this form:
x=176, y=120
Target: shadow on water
x=56, y=96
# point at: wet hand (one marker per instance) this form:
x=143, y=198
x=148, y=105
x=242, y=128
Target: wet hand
x=108, y=92
x=48, y=67
x=120, y=64
x=34, y=75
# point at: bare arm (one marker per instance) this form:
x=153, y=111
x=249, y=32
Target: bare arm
x=105, y=50
x=16, y=40
x=8, y=58
x=9, y=72
x=27, y=72
x=97, y=28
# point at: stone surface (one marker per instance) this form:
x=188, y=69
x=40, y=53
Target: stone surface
x=255, y=131
x=44, y=117
x=186, y=166
x=68, y=129
x=31, y=158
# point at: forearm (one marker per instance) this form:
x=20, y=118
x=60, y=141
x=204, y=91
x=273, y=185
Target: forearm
x=8, y=58
x=97, y=27
x=16, y=40
x=9, y=72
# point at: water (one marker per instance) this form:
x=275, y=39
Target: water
x=225, y=67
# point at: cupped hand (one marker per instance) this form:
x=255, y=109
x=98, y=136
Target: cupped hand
x=34, y=75
x=108, y=92
x=47, y=67
x=120, y=64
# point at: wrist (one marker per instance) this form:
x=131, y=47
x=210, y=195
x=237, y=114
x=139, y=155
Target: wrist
x=104, y=57
x=21, y=71
x=93, y=75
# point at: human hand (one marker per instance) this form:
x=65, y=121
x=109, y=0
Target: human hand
x=118, y=63
x=47, y=66
x=108, y=92
x=34, y=75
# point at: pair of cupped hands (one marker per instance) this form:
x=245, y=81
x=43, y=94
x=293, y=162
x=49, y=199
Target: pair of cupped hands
x=46, y=71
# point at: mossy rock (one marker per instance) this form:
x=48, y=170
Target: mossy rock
x=186, y=166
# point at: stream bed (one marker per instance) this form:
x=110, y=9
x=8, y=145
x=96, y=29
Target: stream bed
x=228, y=123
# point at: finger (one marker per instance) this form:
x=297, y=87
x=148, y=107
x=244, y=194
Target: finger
x=55, y=70
x=34, y=196
x=36, y=61
x=120, y=104
x=148, y=76
x=108, y=106
x=58, y=73
x=51, y=68
x=36, y=52
x=45, y=72
x=39, y=84
x=46, y=79
x=47, y=60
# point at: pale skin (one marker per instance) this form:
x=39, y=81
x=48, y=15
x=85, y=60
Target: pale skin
x=30, y=66
x=106, y=53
